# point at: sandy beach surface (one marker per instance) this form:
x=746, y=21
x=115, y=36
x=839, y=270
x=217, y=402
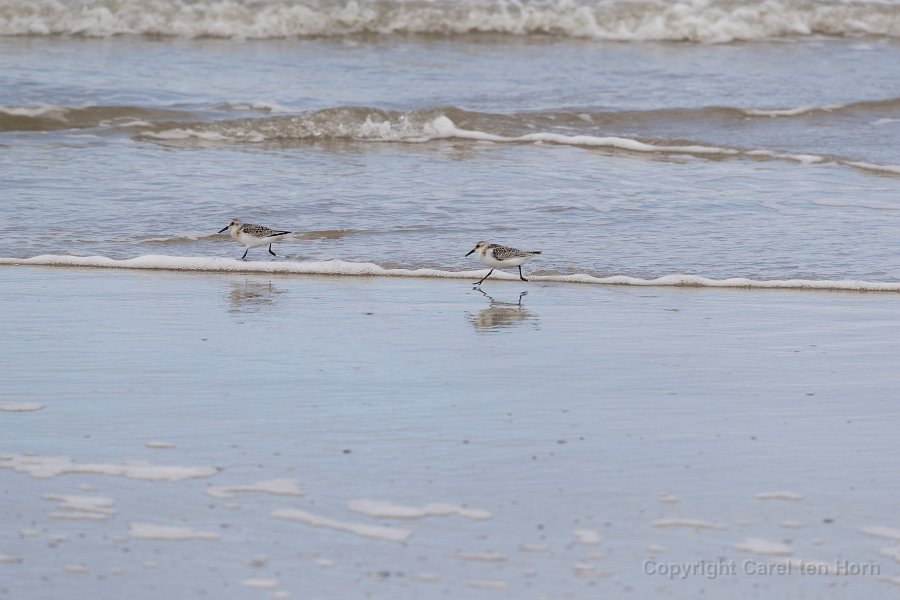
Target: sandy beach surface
x=187, y=435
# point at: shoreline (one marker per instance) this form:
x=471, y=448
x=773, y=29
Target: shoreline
x=338, y=268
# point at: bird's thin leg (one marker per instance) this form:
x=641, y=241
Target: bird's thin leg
x=520, y=274
x=270, y=250
x=485, y=277
x=245, y=253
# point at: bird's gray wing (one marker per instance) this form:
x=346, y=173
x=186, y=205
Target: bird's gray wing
x=506, y=253
x=260, y=231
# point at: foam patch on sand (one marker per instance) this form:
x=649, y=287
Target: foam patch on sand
x=691, y=523
x=384, y=509
x=76, y=569
x=277, y=487
x=88, y=508
x=152, y=531
x=159, y=445
x=760, y=546
x=20, y=406
x=392, y=534
x=889, y=533
x=45, y=467
x=893, y=552
x=346, y=268
x=781, y=495
x=260, y=584
x=492, y=557
x=588, y=537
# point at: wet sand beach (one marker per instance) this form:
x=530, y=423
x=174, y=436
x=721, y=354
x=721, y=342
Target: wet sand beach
x=262, y=435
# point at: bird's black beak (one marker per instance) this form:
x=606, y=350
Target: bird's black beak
x=224, y=229
x=470, y=251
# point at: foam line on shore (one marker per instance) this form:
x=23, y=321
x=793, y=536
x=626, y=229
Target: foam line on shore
x=365, y=269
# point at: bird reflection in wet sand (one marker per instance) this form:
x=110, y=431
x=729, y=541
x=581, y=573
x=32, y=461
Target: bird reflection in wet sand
x=252, y=296
x=502, y=315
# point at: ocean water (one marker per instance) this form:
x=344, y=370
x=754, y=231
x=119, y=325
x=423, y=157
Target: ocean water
x=623, y=138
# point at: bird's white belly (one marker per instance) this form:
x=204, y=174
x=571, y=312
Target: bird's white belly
x=253, y=242
x=503, y=264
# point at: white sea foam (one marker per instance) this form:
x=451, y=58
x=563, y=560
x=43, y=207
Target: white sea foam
x=383, y=509
x=73, y=507
x=790, y=112
x=76, y=569
x=6, y=559
x=882, y=532
x=345, y=268
x=806, y=159
x=277, y=487
x=392, y=534
x=44, y=467
x=46, y=111
x=492, y=557
x=893, y=552
x=375, y=125
x=20, y=406
x=691, y=523
x=183, y=134
x=894, y=169
x=444, y=127
x=159, y=445
x=260, y=584
x=895, y=579
x=760, y=546
x=779, y=495
x=588, y=537
x=371, y=125
x=77, y=516
x=710, y=21
x=153, y=531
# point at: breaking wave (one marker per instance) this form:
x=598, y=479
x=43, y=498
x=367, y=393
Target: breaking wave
x=706, y=21
x=572, y=129
x=204, y=127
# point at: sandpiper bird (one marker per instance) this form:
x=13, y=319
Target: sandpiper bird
x=253, y=236
x=501, y=257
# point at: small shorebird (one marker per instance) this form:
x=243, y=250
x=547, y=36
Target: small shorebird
x=253, y=236
x=501, y=257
